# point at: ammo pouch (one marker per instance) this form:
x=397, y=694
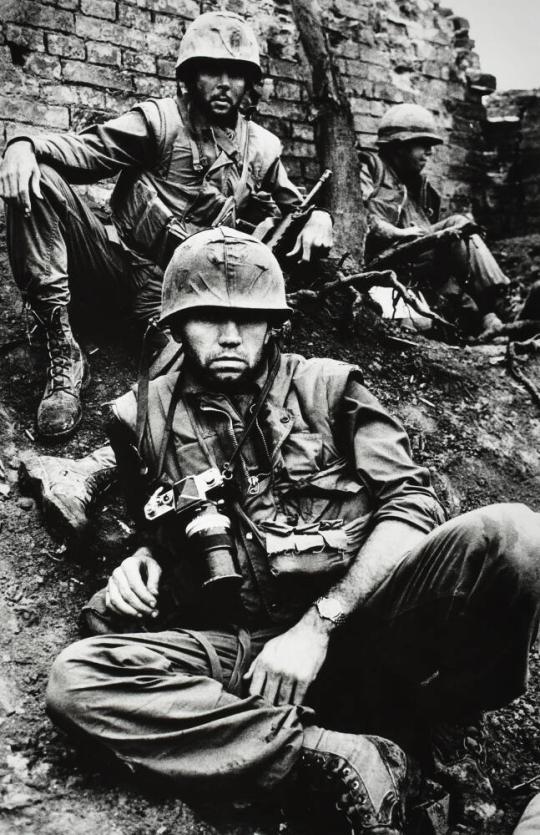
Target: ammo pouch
x=305, y=550
x=139, y=214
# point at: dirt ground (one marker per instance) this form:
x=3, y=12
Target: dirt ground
x=470, y=421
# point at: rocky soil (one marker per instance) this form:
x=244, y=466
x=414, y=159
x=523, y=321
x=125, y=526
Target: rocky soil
x=471, y=422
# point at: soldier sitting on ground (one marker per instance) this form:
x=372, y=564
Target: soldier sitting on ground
x=458, y=276
x=184, y=164
x=279, y=496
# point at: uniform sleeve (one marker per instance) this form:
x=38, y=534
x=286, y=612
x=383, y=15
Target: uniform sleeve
x=99, y=151
x=284, y=192
x=379, y=446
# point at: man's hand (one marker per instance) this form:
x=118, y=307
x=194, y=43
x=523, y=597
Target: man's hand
x=316, y=234
x=20, y=175
x=411, y=232
x=491, y=328
x=133, y=586
x=288, y=664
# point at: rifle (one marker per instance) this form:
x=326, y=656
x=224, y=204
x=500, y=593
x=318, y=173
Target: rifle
x=277, y=238
x=401, y=253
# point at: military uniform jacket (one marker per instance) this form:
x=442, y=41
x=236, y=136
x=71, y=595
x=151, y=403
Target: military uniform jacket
x=388, y=199
x=322, y=448
x=175, y=171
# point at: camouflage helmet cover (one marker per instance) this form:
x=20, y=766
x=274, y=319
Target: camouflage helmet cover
x=223, y=268
x=406, y=122
x=219, y=36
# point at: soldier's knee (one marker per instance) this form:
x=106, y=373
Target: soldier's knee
x=457, y=220
x=66, y=681
x=49, y=175
x=511, y=533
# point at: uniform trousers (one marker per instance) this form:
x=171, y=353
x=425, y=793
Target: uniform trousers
x=446, y=635
x=63, y=250
x=463, y=280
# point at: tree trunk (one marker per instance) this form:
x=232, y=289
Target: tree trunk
x=335, y=138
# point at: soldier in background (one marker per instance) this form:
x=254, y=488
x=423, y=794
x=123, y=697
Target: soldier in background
x=183, y=164
x=458, y=276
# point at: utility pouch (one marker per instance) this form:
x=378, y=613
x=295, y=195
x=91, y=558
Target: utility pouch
x=306, y=550
x=141, y=216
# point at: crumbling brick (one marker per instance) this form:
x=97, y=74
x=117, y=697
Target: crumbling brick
x=82, y=73
x=112, y=53
x=103, y=53
x=34, y=112
x=139, y=62
x=92, y=28
x=99, y=8
x=32, y=13
x=67, y=46
x=30, y=39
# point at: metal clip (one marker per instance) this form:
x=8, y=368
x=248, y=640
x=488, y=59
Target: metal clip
x=253, y=482
x=160, y=503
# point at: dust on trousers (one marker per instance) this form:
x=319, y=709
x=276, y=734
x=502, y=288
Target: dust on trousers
x=446, y=635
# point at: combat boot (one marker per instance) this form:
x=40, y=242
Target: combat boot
x=67, y=489
x=366, y=778
x=60, y=412
x=459, y=762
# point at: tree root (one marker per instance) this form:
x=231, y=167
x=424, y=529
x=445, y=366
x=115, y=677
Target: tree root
x=519, y=375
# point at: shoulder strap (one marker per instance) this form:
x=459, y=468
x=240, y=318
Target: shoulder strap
x=240, y=186
x=164, y=119
x=372, y=172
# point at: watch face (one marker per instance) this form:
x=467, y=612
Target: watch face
x=329, y=608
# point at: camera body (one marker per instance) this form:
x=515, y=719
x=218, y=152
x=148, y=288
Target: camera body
x=199, y=501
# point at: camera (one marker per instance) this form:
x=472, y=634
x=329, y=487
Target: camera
x=199, y=501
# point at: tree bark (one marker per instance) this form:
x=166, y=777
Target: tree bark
x=335, y=137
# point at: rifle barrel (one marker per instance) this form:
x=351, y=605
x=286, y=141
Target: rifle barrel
x=327, y=173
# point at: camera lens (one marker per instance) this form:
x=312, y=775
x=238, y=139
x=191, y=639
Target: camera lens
x=209, y=531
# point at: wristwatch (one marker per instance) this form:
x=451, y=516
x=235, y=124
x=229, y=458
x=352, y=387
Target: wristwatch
x=330, y=609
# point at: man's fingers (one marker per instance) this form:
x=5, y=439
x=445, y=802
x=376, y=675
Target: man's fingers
x=131, y=576
x=270, y=692
x=11, y=185
x=258, y=681
x=23, y=195
x=296, y=248
x=306, y=250
x=117, y=602
x=285, y=693
x=298, y=693
x=119, y=580
x=154, y=573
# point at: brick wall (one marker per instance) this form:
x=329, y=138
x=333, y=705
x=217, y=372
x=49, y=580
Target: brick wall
x=512, y=187
x=67, y=63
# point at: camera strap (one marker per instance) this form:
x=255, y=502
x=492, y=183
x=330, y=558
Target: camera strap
x=227, y=470
x=228, y=467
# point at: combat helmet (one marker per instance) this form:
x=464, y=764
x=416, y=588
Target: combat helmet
x=223, y=268
x=219, y=36
x=405, y=122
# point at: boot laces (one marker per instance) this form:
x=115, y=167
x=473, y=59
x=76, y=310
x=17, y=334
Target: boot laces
x=59, y=353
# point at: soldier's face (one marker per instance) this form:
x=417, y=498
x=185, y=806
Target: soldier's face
x=414, y=155
x=224, y=348
x=219, y=87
